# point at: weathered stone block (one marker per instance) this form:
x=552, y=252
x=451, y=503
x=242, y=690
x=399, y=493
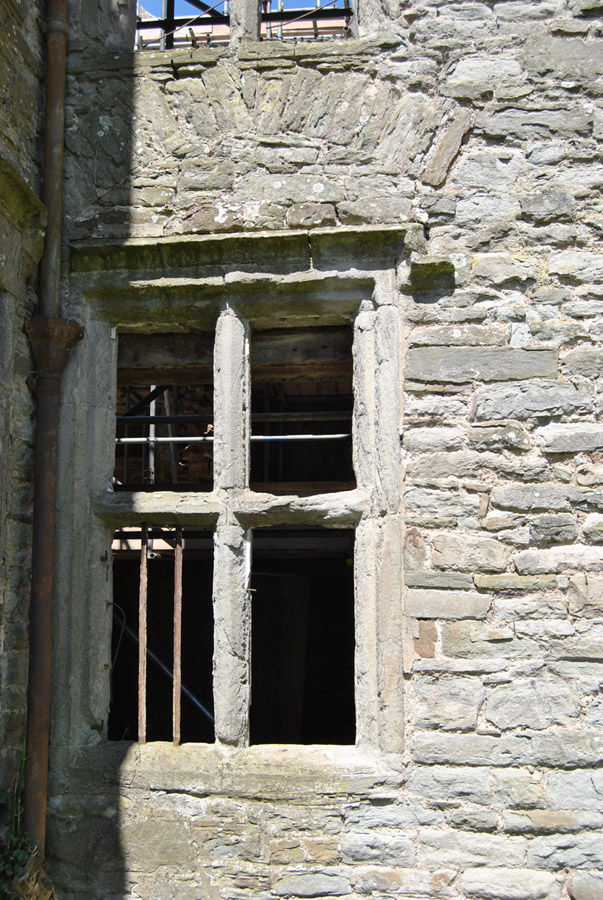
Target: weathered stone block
x=441, y=503
x=469, y=553
x=452, y=703
x=426, y=579
x=406, y=882
x=479, y=364
x=518, y=788
x=559, y=528
x=554, y=497
x=458, y=848
x=444, y=783
x=570, y=438
x=511, y=884
x=311, y=215
x=593, y=528
x=532, y=703
x=499, y=436
x=323, y=883
x=469, y=639
x=585, y=362
x=390, y=847
x=501, y=269
x=423, y=440
x=443, y=604
x=523, y=400
x=558, y=559
x=585, y=886
x=549, y=205
x=566, y=748
x=580, y=266
x=580, y=789
x=573, y=851
x=511, y=582
x=585, y=596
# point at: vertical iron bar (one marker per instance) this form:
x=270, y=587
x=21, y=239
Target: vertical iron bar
x=152, y=411
x=162, y=31
x=172, y=433
x=126, y=433
x=177, y=676
x=142, y=637
x=169, y=38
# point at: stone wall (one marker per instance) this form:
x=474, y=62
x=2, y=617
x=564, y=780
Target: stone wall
x=480, y=125
x=21, y=230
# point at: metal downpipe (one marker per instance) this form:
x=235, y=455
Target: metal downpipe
x=51, y=338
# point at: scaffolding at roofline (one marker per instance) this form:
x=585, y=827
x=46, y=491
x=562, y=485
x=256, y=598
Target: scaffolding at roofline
x=280, y=20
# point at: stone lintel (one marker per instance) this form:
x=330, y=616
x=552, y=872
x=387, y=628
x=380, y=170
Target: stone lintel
x=292, y=250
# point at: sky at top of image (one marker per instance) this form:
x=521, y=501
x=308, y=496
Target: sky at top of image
x=183, y=8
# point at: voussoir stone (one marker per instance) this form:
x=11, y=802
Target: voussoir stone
x=511, y=884
x=469, y=553
x=460, y=364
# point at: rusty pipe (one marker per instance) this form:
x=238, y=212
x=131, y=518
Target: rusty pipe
x=54, y=140
x=51, y=339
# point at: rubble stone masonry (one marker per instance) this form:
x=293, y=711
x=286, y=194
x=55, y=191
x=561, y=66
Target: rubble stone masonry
x=436, y=179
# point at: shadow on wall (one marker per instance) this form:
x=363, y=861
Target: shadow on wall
x=84, y=849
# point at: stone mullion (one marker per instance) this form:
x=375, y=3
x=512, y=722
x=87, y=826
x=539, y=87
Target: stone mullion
x=232, y=633
x=378, y=549
x=232, y=607
x=231, y=402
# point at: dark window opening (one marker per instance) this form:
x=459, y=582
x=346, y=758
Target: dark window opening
x=165, y=418
x=301, y=411
x=195, y=720
x=302, y=636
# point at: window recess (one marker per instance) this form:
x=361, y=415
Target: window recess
x=302, y=656
x=301, y=410
x=162, y=646
x=164, y=437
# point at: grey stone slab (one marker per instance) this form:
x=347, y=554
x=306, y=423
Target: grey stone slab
x=511, y=884
x=574, y=851
x=557, y=528
x=470, y=553
x=564, y=749
x=468, y=849
x=559, y=559
x=518, y=788
x=447, y=147
x=553, y=497
x=313, y=884
x=585, y=595
x=426, y=579
x=570, y=438
x=446, y=783
x=585, y=886
x=479, y=364
x=527, y=399
x=446, y=604
x=452, y=703
x=530, y=704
